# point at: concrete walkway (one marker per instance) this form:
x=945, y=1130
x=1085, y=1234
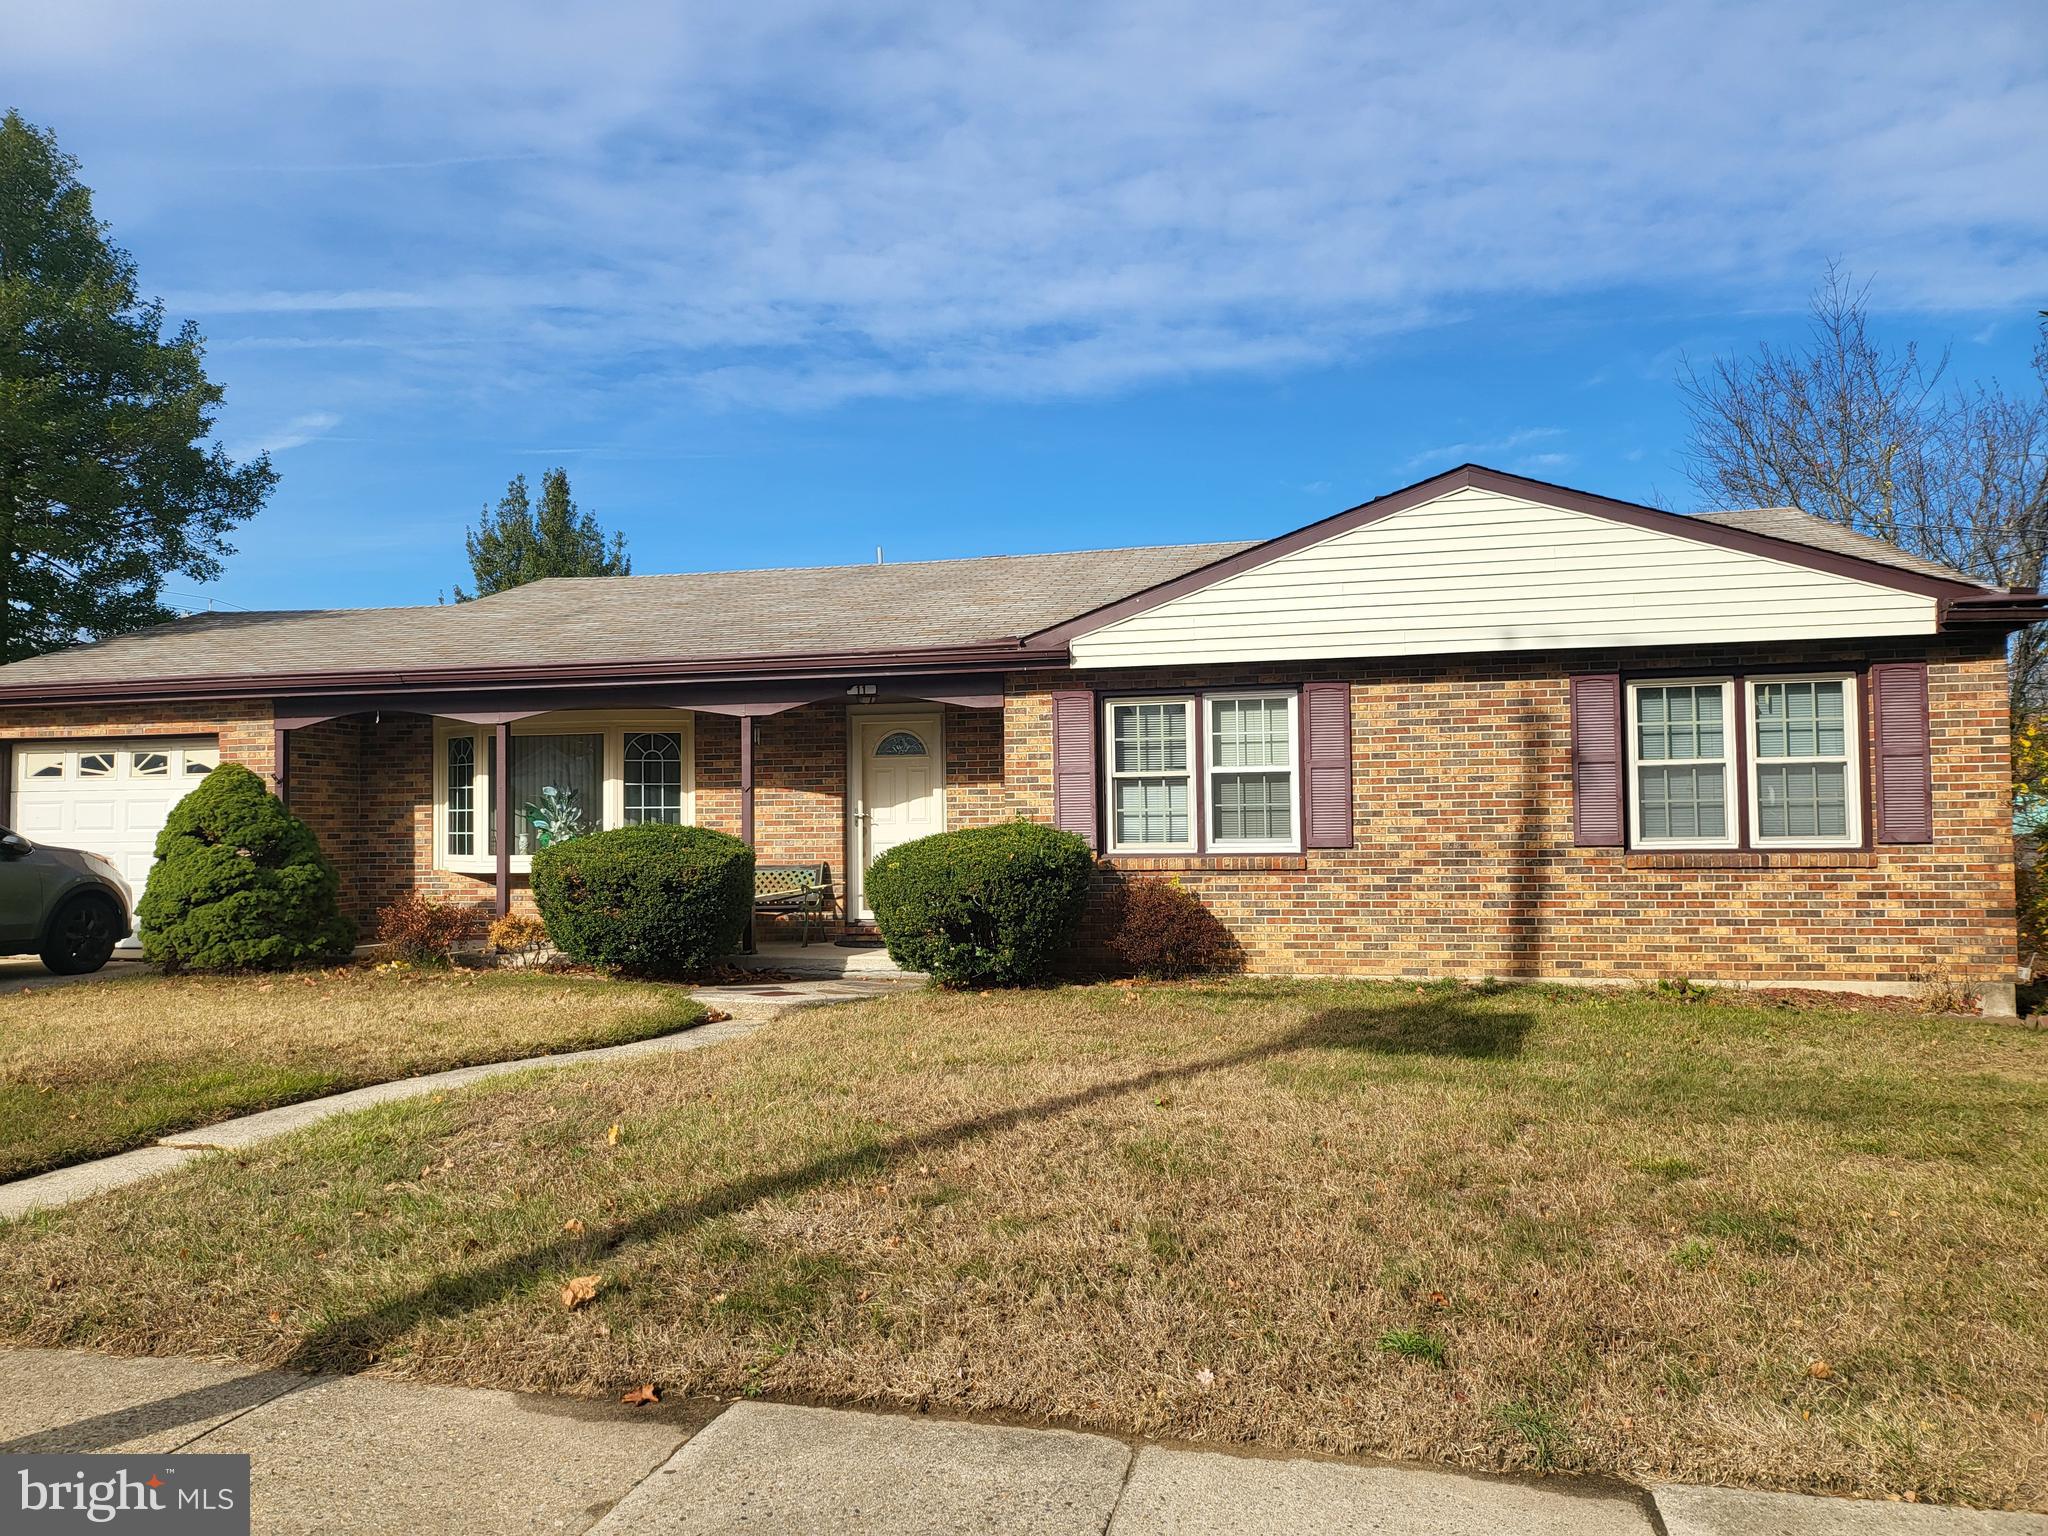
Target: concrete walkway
x=357, y=1454
x=749, y=1007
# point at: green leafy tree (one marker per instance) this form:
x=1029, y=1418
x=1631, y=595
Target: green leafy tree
x=108, y=483
x=240, y=884
x=515, y=544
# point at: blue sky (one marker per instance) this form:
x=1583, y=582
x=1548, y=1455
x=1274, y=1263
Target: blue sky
x=779, y=283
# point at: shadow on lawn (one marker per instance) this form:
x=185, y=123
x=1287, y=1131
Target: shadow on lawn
x=1427, y=1027
x=1446, y=1026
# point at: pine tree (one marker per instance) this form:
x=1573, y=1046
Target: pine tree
x=108, y=484
x=513, y=544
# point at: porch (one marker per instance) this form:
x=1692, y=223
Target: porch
x=403, y=789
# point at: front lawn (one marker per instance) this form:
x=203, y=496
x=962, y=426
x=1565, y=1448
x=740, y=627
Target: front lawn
x=1503, y=1228
x=99, y=1067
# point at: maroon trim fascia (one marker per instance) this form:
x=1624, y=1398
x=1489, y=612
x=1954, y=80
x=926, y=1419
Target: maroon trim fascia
x=2004, y=611
x=1960, y=595
x=1006, y=656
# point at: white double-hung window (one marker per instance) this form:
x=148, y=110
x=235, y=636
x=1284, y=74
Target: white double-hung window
x=1804, y=783
x=568, y=774
x=1794, y=759
x=1204, y=773
x=1251, y=762
x=1681, y=742
x=1151, y=775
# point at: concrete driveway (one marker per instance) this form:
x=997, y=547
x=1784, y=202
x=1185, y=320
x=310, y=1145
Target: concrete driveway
x=25, y=973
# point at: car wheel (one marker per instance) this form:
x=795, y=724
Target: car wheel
x=82, y=935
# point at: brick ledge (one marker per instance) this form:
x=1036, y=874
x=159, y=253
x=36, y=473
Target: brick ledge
x=1168, y=864
x=1820, y=858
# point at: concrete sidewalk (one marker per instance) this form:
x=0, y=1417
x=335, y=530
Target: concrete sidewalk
x=357, y=1454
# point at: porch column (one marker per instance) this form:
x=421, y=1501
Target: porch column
x=747, y=729
x=501, y=816
x=279, y=762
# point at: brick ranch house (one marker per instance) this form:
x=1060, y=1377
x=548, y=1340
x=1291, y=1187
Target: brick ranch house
x=1480, y=726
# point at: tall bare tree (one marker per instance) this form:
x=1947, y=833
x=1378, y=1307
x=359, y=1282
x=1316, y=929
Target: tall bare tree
x=1871, y=436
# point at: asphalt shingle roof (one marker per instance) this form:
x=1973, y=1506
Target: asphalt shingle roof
x=713, y=615
x=701, y=615
x=1817, y=533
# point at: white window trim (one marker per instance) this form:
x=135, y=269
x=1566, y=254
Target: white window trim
x=1730, y=743
x=1851, y=761
x=614, y=727
x=1191, y=704
x=1211, y=772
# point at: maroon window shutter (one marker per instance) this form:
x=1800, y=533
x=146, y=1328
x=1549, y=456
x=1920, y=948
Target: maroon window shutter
x=1597, y=815
x=1326, y=754
x=1073, y=764
x=1905, y=778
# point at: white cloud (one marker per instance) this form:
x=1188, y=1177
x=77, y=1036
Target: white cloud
x=801, y=205
x=296, y=433
x=1508, y=444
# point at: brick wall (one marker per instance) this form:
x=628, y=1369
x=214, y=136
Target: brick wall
x=244, y=728
x=1464, y=863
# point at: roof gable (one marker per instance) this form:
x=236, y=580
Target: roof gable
x=1480, y=561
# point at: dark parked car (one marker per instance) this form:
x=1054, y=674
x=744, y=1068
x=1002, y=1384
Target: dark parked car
x=68, y=906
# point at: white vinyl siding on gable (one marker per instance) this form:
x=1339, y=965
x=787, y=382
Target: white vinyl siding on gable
x=1475, y=570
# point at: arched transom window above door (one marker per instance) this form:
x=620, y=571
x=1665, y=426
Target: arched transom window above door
x=900, y=744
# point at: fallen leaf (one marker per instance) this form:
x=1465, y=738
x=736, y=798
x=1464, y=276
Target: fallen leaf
x=1820, y=1370
x=573, y=1226
x=276, y=1316
x=1206, y=1377
x=611, y=1136
x=715, y=1015
x=581, y=1289
x=640, y=1395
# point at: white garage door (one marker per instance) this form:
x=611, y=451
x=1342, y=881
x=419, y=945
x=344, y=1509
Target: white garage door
x=110, y=797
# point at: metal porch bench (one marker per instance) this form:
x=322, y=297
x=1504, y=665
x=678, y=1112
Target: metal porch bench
x=798, y=888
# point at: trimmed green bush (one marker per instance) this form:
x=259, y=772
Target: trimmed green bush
x=240, y=884
x=987, y=906
x=653, y=899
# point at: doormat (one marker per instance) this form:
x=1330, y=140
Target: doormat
x=858, y=943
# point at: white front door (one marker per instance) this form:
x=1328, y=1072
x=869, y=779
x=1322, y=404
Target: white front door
x=107, y=797
x=899, y=778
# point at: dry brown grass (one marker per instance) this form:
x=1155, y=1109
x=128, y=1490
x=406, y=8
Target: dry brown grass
x=96, y=1068
x=1655, y=1238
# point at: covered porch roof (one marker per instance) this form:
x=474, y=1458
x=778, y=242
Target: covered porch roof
x=500, y=708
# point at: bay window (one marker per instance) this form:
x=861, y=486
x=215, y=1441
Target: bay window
x=568, y=774
x=1203, y=773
